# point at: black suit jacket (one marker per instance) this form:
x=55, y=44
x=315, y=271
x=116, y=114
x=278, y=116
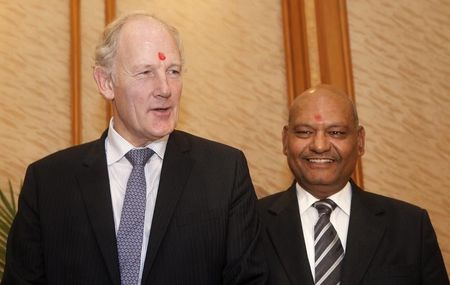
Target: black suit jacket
x=388, y=242
x=205, y=228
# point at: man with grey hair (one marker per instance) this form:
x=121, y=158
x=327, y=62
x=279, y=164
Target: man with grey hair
x=144, y=204
x=324, y=229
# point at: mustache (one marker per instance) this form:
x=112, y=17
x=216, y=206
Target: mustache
x=330, y=156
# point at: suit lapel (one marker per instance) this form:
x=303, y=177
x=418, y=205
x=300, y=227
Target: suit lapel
x=175, y=171
x=366, y=227
x=286, y=234
x=95, y=189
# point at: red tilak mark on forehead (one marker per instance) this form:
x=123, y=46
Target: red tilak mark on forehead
x=161, y=56
x=317, y=117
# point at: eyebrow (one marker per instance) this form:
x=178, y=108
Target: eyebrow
x=145, y=66
x=141, y=66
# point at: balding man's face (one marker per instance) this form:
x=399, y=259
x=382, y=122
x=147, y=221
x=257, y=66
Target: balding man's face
x=322, y=142
x=147, y=82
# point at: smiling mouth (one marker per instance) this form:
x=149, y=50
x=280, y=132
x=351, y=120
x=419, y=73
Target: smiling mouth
x=320, y=160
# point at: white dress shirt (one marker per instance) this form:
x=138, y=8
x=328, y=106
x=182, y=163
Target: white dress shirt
x=119, y=169
x=339, y=217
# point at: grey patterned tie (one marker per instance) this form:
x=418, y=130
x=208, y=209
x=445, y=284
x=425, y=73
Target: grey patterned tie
x=327, y=246
x=131, y=227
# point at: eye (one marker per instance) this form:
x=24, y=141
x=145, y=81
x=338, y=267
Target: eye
x=303, y=133
x=337, y=134
x=145, y=73
x=173, y=72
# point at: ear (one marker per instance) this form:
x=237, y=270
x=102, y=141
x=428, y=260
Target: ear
x=104, y=82
x=285, y=139
x=361, y=140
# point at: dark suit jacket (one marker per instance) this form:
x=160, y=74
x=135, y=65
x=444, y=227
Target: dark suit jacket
x=205, y=228
x=388, y=242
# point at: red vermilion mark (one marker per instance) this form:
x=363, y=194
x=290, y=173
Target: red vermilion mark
x=161, y=56
x=317, y=117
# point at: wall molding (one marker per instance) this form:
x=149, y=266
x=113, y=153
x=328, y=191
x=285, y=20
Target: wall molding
x=296, y=48
x=334, y=45
x=110, y=14
x=75, y=70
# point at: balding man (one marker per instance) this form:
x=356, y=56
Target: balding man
x=144, y=204
x=324, y=229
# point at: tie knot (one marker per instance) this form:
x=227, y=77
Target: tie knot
x=139, y=156
x=325, y=206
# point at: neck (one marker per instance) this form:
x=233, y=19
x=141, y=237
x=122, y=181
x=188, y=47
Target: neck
x=322, y=191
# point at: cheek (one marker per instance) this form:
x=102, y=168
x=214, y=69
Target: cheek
x=348, y=151
x=176, y=87
x=130, y=89
x=132, y=100
x=295, y=147
x=143, y=86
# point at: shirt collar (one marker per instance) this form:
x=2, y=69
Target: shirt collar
x=116, y=146
x=342, y=198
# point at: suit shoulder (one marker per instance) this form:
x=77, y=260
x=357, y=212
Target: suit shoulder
x=66, y=156
x=200, y=143
x=393, y=203
x=268, y=201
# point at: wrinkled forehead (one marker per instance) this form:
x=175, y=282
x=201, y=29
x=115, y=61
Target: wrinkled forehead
x=148, y=33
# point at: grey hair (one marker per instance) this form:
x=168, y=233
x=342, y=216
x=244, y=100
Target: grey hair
x=106, y=50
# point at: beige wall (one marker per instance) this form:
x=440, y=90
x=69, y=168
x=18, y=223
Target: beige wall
x=34, y=83
x=401, y=67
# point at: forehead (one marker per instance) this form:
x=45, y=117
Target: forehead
x=322, y=108
x=143, y=36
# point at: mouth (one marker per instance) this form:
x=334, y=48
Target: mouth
x=161, y=110
x=320, y=160
x=161, y=113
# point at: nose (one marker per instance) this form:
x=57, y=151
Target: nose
x=163, y=88
x=320, y=143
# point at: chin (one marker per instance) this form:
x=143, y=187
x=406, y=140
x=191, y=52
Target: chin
x=320, y=181
x=159, y=133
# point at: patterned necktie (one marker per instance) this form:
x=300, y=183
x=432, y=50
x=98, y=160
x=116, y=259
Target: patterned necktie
x=327, y=246
x=131, y=227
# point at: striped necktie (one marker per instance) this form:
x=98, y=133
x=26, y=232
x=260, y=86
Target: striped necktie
x=327, y=246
